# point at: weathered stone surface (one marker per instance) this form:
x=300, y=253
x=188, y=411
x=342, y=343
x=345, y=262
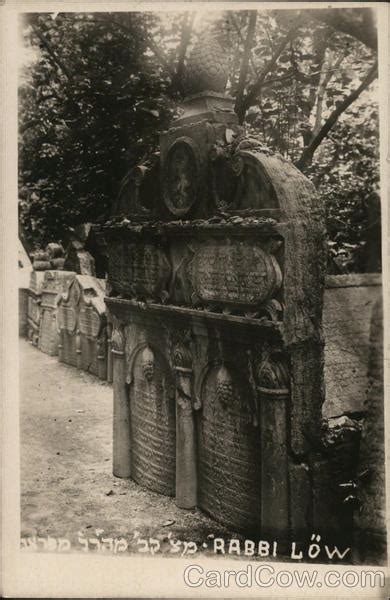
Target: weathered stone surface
x=23, y=308
x=207, y=67
x=82, y=325
x=273, y=396
x=78, y=259
x=348, y=303
x=138, y=270
x=237, y=273
x=227, y=263
x=229, y=451
x=54, y=284
x=371, y=519
x=34, y=305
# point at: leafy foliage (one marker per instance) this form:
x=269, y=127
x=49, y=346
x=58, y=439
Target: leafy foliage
x=91, y=108
x=104, y=84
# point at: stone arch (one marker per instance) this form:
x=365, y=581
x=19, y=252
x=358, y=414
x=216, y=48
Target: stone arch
x=152, y=420
x=229, y=454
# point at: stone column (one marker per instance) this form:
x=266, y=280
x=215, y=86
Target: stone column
x=121, y=416
x=101, y=348
x=61, y=345
x=186, y=468
x=273, y=396
x=78, y=350
x=109, y=353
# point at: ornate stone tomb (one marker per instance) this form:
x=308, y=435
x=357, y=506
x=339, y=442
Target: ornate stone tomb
x=54, y=284
x=215, y=298
x=82, y=325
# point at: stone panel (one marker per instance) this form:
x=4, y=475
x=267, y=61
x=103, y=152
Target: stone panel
x=138, y=270
x=55, y=283
x=82, y=322
x=238, y=273
x=152, y=418
x=229, y=453
x=48, y=333
x=348, y=304
x=68, y=352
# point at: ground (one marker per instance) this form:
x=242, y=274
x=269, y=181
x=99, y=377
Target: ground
x=68, y=490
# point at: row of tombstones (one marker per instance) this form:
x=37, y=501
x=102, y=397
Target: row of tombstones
x=66, y=317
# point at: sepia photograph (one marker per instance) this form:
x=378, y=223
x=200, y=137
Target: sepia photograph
x=201, y=355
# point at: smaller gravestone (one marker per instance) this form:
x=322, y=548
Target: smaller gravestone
x=77, y=257
x=82, y=325
x=34, y=305
x=54, y=283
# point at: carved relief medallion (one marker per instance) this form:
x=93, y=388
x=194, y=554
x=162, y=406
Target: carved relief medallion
x=181, y=176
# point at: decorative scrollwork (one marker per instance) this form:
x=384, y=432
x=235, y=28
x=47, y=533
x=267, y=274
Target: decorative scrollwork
x=237, y=164
x=182, y=357
x=273, y=375
x=117, y=340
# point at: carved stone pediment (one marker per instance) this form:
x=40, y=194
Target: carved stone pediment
x=139, y=191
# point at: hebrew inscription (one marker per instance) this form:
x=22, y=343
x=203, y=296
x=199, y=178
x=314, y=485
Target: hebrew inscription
x=238, y=273
x=152, y=426
x=66, y=318
x=138, y=270
x=229, y=453
x=89, y=322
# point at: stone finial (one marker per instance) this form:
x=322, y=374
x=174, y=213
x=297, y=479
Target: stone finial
x=207, y=67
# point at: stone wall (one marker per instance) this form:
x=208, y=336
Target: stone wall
x=348, y=303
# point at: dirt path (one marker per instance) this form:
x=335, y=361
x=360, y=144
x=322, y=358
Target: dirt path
x=67, y=487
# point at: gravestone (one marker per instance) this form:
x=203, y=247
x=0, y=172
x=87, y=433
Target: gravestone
x=24, y=275
x=34, y=305
x=215, y=286
x=77, y=258
x=82, y=325
x=54, y=284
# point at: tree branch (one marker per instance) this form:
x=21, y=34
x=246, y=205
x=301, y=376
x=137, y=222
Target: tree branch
x=357, y=22
x=324, y=81
x=245, y=65
x=185, y=40
x=251, y=96
x=232, y=20
x=150, y=43
x=52, y=55
x=308, y=152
